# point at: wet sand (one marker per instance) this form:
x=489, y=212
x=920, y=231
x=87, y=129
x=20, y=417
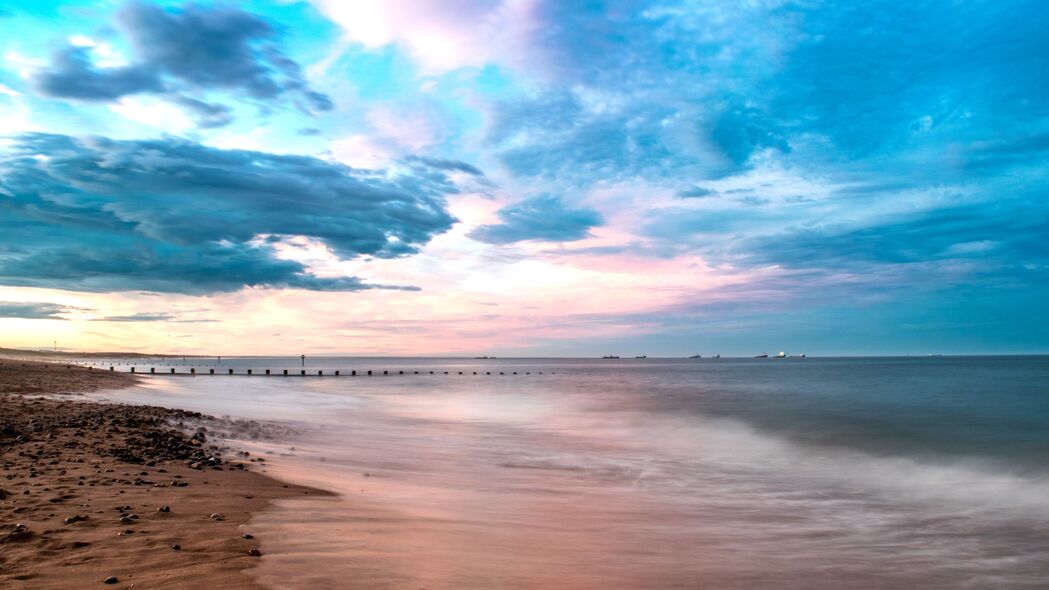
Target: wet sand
x=91, y=493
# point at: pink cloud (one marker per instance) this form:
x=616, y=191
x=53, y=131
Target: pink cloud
x=441, y=34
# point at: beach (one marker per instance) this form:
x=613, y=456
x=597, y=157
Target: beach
x=452, y=474
x=123, y=496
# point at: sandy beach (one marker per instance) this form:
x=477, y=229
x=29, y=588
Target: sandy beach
x=123, y=496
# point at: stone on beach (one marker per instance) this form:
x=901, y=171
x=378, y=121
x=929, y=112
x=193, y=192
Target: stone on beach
x=70, y=452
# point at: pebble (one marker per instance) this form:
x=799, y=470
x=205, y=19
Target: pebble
x=164, y=509
x=177, y=547
x=216, y=516
x=254, y=553
x=111, y=580
x=247, y=536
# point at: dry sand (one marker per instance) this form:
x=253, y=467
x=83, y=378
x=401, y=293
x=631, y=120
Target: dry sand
x=84, y=487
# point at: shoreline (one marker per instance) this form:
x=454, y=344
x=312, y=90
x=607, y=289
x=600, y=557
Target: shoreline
x=91, y=491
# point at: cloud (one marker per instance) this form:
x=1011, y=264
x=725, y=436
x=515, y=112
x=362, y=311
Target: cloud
x=542, y=218
x=34, y=311
x=73, y=75
x=448, y=165
x=150, y=317
x=930, y=155
x=208, y=115
x=696, y=192
x=182, y=53
x=137, y=317
x=992, y=236
x=440, y=34
x=171, y=215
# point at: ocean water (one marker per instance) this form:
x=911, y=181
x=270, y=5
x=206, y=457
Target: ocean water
x=730, y=473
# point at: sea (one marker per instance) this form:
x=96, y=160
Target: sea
x=910, y=472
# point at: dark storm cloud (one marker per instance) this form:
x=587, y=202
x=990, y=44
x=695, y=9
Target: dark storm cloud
x=184, y=52
x=543, y=217
x=175, y=216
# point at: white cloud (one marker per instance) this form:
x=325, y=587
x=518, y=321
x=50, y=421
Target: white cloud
x=105, y=56
x=23, y=64
x=440, y=34
x=362, y=151
x=154, y=113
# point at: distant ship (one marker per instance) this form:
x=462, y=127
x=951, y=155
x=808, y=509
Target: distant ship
x=798, y=356
x=763, y=355
x=485, y=357
x=610, y=356
x=696, y=356
x=781, y=355
x=641, y=357
x=717, y=356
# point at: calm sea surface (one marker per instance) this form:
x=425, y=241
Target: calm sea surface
x=730, y=473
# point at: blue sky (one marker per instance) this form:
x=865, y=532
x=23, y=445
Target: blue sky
x=525, y=177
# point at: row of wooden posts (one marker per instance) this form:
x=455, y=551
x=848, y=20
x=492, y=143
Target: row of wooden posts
x=352, y=373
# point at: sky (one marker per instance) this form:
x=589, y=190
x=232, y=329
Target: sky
x=525, y=177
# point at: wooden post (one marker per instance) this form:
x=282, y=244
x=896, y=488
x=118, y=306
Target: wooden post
x=336, y=373
x=385, y=372
x=231, y=371
x=172, y=370
x=211, y=371
x=285, y=372
x=369, y=373
x=267, y=371
x=152, y=370
x=132, y=369
x=303, y=373
x=353, y=373
x=192, y=370
x=320, y=373
x=249, y=371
